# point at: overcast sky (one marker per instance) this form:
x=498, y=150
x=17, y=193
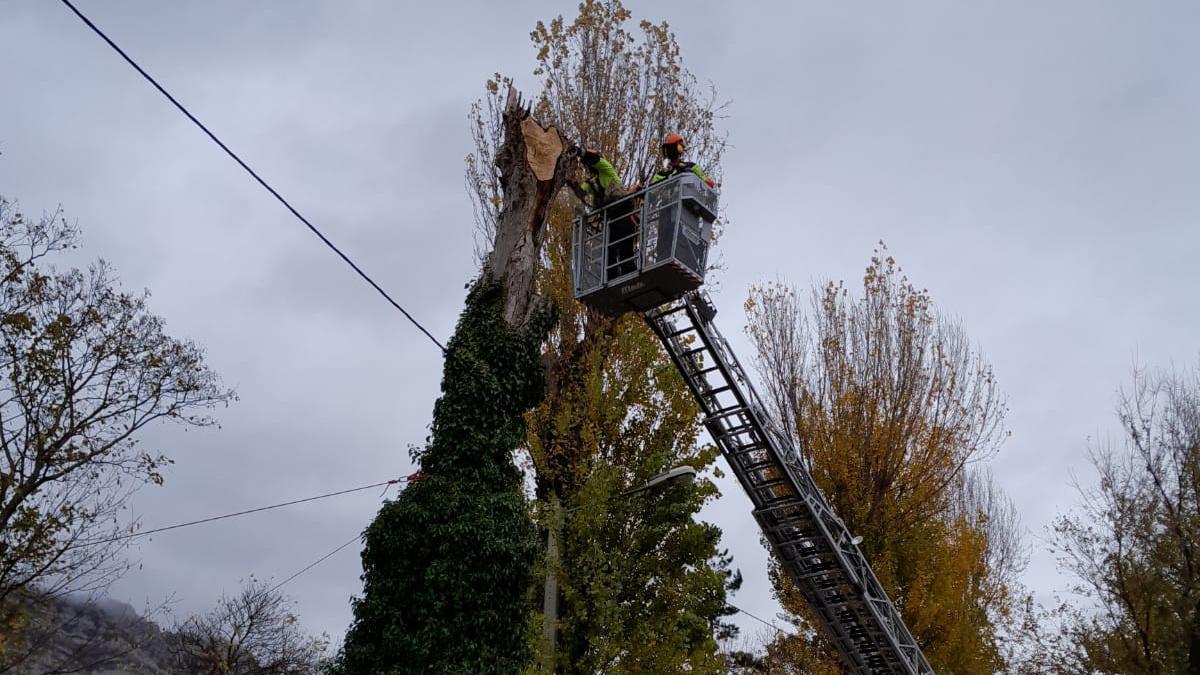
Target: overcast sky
x=1034, y=165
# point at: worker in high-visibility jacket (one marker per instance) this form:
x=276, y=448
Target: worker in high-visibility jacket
x=603, y=186
x=672, y=150
x=602, y=179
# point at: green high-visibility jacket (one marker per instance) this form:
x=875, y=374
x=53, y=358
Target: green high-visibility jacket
x=601, y=185
x=679, y=168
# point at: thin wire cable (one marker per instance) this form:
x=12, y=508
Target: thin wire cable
x=252, y=173
x=313, y=564
x=762, y=621
x=334, y=551
x=156, y=530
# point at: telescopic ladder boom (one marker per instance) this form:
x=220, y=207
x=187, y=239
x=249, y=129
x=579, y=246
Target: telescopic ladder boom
x=817, y=551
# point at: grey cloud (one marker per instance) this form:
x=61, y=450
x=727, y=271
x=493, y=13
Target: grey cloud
x=1033, y=165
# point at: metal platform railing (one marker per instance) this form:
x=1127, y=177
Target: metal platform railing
x=818, y=553
x=646, y=248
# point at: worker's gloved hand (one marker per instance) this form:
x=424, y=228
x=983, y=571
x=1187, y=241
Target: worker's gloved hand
x=577, y=190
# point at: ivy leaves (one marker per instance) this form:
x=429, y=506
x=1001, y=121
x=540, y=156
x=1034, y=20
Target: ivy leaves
x=447, y=565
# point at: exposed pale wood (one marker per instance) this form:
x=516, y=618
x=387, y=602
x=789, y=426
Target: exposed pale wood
x=533, y=164
x=542, y=148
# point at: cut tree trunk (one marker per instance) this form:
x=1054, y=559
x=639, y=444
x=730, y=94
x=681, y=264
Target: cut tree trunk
x=534, y=164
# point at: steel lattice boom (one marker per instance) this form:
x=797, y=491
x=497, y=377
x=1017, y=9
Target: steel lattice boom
x=817, y=551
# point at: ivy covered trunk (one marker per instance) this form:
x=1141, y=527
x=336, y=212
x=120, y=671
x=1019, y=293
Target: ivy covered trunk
x=447, y=566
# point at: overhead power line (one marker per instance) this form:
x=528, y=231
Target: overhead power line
x=316, y=562
x=252, y=173
x=415, y=476
x=764, y=622
x=134, y=535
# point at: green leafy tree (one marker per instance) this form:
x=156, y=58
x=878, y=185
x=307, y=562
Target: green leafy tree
x=643, y=581
x=892, y=409
x=84, y=368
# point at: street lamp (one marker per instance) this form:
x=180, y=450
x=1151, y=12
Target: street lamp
x=683, y=474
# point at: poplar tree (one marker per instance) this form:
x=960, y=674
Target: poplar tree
x=893, y=411
x=643, y=581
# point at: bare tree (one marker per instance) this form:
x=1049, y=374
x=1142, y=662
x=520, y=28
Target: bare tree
x=252, y=633
x=1134, y=542
x=83, y=368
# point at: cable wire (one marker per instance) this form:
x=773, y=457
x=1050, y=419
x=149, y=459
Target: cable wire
x=156, y=530
x=415, y=476
x=252, y=173
x=762, y=621
x=316, y=562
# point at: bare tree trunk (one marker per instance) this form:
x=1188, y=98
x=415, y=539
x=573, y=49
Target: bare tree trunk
x=534, y=164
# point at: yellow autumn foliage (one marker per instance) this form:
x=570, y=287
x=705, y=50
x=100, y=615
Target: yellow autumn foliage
x=894, y=411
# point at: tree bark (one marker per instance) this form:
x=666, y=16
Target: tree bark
x=534, y=163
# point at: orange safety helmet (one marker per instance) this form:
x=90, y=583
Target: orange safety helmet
x=673, y=146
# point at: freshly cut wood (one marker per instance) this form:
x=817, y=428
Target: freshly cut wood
x=534, y=165
x=542, y=148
